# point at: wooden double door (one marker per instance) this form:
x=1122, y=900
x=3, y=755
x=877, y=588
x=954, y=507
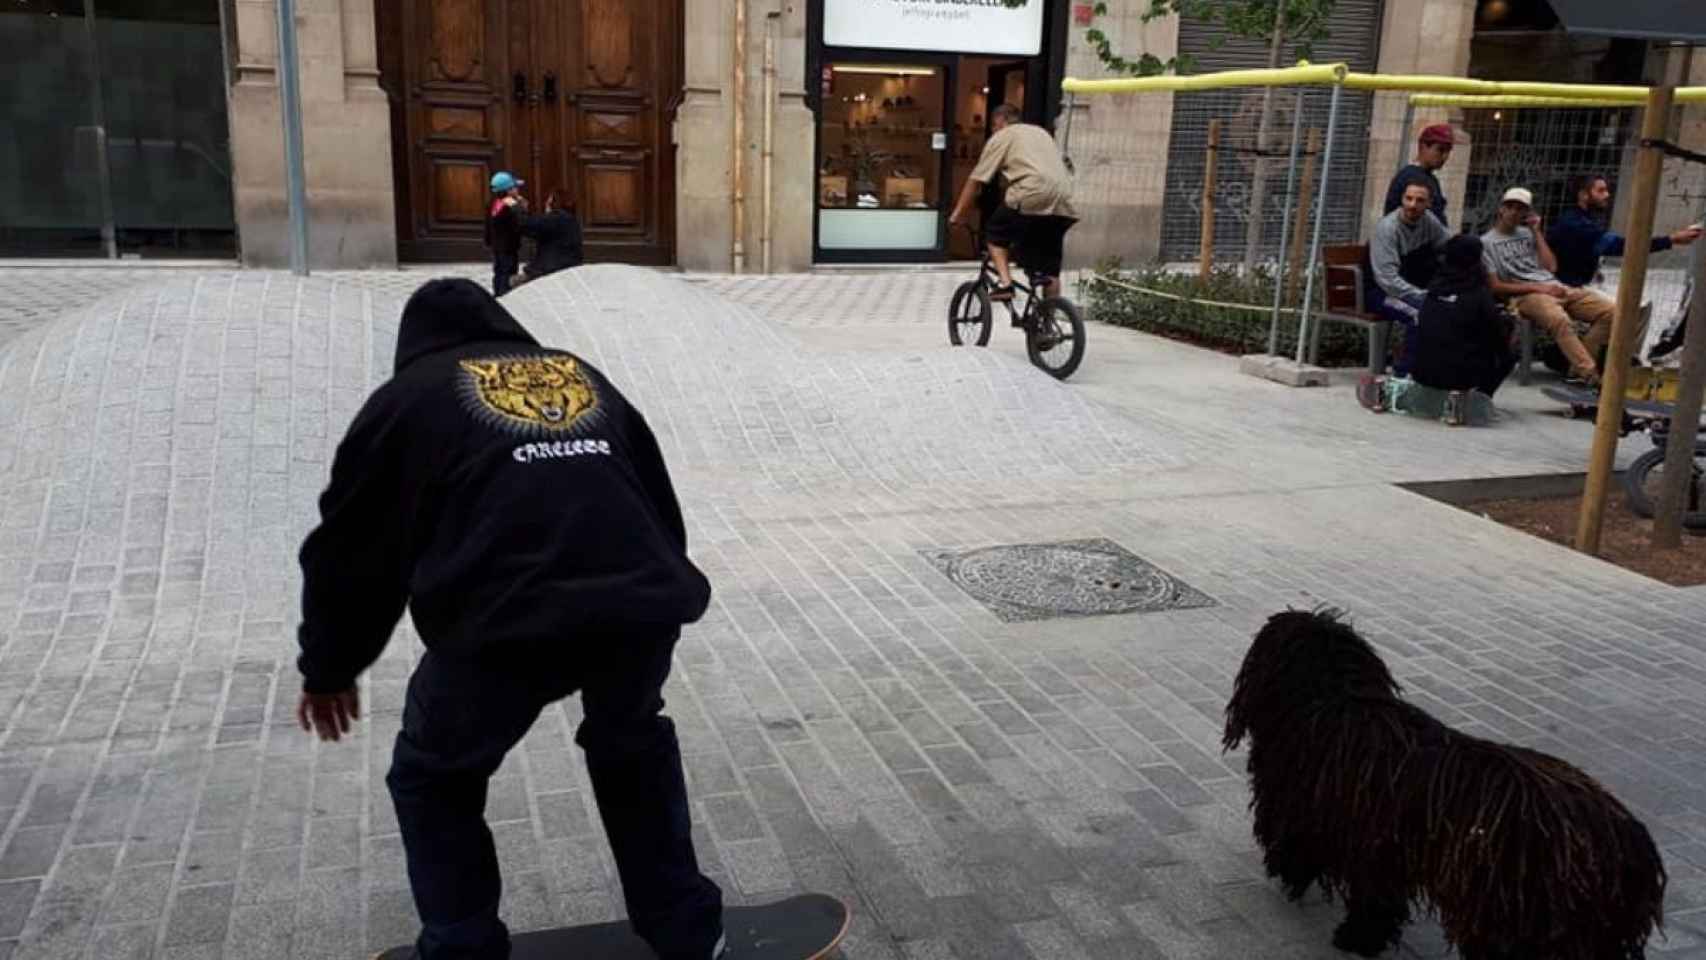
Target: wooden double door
x=575, y=96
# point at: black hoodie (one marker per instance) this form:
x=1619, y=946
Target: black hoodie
x=507, y=493
x=1461, y=333
x=559, y=237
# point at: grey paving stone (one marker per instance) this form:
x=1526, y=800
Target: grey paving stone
x=30, y=852
x=200, y=914
x=852, y=721
x=16, y=899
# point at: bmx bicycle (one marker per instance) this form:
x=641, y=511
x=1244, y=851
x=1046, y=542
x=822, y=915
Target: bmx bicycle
x=1054, y=332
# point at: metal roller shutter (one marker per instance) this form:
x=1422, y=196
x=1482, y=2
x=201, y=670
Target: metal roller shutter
x=1354, y=39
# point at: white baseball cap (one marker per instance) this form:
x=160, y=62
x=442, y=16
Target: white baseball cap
x=1520, y=196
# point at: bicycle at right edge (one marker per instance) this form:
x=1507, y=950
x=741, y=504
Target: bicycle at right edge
x=1054, y=332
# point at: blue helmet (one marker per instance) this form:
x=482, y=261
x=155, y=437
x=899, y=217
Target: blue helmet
x=503, y=182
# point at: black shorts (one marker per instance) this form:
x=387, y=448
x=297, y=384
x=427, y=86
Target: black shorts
x=1038, y=242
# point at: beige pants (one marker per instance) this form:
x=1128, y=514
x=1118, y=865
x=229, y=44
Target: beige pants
x=1558, y=316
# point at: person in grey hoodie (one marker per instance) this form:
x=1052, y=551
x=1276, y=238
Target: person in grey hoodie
x=1403, y=254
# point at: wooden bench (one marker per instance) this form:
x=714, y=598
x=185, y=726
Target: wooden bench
x=1342, y=302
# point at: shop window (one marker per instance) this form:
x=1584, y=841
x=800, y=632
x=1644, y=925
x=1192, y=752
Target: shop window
x=880, y=184
x=120, y=129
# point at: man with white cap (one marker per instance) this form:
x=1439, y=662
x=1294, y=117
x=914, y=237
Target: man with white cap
x=1522, y=266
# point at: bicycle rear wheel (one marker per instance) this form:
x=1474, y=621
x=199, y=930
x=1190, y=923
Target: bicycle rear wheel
x=1645, y=477
x=1054, y=338
x=968, y=315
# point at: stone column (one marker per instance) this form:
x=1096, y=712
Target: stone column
x=346, y=136
x=1119, y=143
x=1683, y=183
x=1417, y=36
x=704, y=128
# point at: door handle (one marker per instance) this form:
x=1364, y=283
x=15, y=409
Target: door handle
x=550, y=87
x=521, y=94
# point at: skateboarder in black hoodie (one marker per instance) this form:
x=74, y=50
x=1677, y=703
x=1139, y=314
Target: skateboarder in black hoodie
x=515, y=502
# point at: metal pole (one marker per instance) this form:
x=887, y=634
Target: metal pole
x=1285, y=224
x=1320, y=218
x=1404, y=133
x=1679, y=449
x=98, y=115
x=738, y=210
x=1066, y=135
x=769, y=149
x=1631, y=283
x=290, y=106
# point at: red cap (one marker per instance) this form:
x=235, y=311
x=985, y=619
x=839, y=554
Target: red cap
x=1438, y=133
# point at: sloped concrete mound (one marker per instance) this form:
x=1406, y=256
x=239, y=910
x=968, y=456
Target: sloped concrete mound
x=176, y=435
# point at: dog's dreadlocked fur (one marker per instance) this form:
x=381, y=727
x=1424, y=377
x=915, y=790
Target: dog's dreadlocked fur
x=1518, y=853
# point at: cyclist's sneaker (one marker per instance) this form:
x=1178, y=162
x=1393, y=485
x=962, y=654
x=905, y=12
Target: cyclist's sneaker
x=1371, y=392
x=1001, y=294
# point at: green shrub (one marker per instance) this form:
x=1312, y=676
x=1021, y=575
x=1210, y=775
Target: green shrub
x=1195, y=321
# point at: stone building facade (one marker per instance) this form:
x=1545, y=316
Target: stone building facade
x=858, y=121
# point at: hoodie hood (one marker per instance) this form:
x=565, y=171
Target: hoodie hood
x=448, y=313
x=1461, y=269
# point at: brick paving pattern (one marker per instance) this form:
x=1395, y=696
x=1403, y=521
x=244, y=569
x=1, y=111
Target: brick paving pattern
x=852, y=721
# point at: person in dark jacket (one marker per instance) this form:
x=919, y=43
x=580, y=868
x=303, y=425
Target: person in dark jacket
x=503, y=230
x=1581, y=236
x=1433, y=149
x=520, y=508
x=1462, y=337
x=557, y=234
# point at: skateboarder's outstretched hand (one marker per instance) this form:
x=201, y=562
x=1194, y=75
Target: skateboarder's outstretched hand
x=328, y=714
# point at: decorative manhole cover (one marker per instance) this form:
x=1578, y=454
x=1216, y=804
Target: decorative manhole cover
x=1074, y=578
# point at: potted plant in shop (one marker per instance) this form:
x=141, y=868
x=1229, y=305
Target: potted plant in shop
x=866, y=162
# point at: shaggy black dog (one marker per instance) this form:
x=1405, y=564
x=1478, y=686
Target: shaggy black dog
x=1520, y=855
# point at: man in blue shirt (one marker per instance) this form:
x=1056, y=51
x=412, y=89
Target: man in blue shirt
x=1433, y=149
x=1581, y=237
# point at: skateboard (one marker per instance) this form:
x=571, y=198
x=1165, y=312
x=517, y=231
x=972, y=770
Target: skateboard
x=806, y=927
x=1583, y=404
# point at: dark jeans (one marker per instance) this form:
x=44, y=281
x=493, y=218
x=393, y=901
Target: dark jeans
x=1403, y=315
x=460, y=719
x=1498, y=368
x=503, y=271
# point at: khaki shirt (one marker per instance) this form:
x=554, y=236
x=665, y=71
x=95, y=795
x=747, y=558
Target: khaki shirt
x=1038, y=182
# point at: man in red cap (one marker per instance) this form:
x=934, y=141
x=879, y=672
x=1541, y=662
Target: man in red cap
x=1433, y=149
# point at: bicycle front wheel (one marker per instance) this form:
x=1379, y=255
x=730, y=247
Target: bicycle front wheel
x=1645, y=477
x=1055, y=337
x=968, y=315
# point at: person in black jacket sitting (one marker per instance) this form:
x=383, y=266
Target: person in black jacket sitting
x=557, y=234
x=509, y=496
x=1462, y=337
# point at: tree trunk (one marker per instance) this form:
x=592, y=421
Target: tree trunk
x=1259, y=174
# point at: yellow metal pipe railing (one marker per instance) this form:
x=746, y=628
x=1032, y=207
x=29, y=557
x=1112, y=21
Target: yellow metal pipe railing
x=1425, y=83
x=1449, y=91
x=1469, y=102
x=1683, y=94
x=1303, y=75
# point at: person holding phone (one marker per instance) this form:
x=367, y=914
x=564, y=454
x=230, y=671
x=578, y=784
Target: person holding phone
x=1522, y=268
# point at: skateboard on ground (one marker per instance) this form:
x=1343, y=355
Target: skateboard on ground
x=1583, y=404
x=806, y=927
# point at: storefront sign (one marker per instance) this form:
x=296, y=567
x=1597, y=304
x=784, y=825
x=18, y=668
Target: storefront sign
x=949, y=26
